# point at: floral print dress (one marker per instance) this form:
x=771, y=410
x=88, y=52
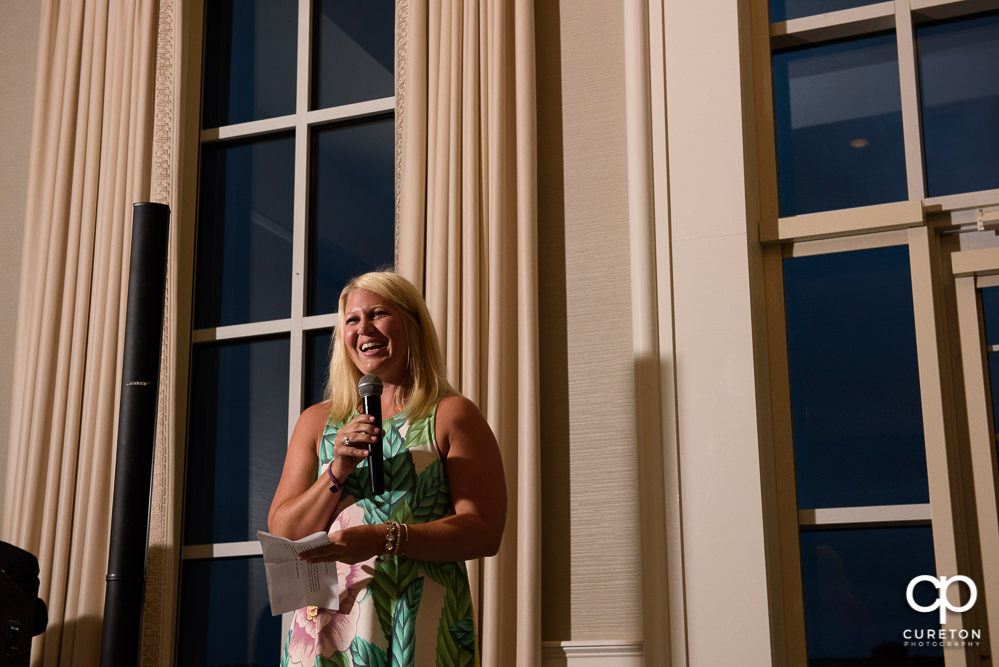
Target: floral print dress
x=397, y=612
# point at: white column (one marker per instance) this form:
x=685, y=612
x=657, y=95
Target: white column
x=714, y=292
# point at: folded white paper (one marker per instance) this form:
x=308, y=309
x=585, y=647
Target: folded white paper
x=292, y=583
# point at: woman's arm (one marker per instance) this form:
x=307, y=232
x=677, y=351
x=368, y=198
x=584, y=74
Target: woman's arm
x=303, y=504
x=478, y=489
x=478, y=492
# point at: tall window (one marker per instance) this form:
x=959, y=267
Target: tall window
x=886, y=124
x=296, y=196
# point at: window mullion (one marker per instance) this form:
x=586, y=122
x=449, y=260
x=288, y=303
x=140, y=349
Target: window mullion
x=788, y=545
x=298, y=264
x=828, y=26
x=865, y=516
x=221, y=550
x=303, y=87
x=938, y=434
x=908, y=79
x=299, y=259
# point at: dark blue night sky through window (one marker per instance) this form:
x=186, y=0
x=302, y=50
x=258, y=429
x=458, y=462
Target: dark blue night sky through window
x=785, y=10
x=838, y=120
x=855, y=402
x=959, y=94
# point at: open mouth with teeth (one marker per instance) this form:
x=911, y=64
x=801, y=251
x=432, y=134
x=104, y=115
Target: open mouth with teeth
x=371, y=346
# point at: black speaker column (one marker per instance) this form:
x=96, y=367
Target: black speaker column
x=126, y=579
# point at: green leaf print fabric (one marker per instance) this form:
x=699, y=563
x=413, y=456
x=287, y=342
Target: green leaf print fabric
x=397, y=612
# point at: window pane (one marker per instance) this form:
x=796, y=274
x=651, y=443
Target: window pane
x=854, y=585
x=784, y=10
x=354, y=51
x=317, y=358
x=993, y=361
x=244, y=232
x=838, y=121
x=237, y=438
x=250, y=54
x=990, y=312
x=352, y=217
x=855, y=402
x=225, y=616
x=959, y=93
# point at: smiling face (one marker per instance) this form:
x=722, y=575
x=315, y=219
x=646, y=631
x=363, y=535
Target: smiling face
x=375, y=336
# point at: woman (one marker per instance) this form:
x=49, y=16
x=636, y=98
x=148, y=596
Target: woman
x=404, y=596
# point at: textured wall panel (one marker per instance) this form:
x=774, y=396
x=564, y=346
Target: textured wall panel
x=591, y=569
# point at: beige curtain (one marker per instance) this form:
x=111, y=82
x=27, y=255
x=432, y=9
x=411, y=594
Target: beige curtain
x=468, y=235
x=89, y=161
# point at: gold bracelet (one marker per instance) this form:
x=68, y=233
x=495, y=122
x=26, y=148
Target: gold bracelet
x=391, y=539
x=405, y=532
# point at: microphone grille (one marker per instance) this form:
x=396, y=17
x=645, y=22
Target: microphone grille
x=370, y=385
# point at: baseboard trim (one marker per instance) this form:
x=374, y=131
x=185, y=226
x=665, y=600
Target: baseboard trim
x=591, y=654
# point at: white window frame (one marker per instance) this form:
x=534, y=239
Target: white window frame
x=974, y=270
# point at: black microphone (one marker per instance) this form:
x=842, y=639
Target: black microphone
x=370, y=388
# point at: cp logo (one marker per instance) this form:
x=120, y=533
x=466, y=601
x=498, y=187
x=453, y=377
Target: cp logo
x=942, y=584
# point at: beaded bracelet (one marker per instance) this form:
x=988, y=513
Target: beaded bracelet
x=336, y=485
x=394, y=532
x=391, y=539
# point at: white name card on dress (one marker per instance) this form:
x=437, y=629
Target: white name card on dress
x=292, y=583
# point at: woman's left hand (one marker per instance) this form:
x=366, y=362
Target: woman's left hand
x=350, y=545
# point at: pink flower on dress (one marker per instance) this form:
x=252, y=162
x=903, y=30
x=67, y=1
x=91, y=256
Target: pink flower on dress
x=302, y=640
x=323, y=632
x=340, y=627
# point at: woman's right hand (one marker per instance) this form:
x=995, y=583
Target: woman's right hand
x=350, y=446
x=305, y=503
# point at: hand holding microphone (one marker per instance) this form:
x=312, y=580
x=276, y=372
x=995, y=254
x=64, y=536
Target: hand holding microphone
x=370, y=389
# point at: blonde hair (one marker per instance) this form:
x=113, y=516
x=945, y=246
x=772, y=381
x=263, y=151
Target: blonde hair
x=427, y=382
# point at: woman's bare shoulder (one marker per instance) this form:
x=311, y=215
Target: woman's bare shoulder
x=459, y=418
x=314, y=418
x=455, y=407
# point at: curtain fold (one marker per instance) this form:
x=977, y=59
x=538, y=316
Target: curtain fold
x=90, y=160
x=468, y=236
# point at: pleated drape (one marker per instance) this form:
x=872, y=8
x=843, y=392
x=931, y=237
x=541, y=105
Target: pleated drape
x=468, y=235
x=90, y=159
